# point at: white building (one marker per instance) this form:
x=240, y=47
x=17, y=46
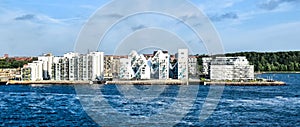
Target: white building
x=84, y=67
x=73, y=65
x=140, y=66
x=230, y=68
x=57, y=69
x=205, y=65
x=47, y=60
x=183, y=60
x=135, y=66
x=36, y=68
x=145, y=69
x=95, y=65
x=126, y=71
x=193, y=67
x=160, y=67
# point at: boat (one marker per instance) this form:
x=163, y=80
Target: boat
x=3, y=83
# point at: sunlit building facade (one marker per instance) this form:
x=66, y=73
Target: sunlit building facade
x=230, y=68
x=183, y=60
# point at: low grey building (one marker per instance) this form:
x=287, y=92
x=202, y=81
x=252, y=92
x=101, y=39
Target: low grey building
x=228, y=68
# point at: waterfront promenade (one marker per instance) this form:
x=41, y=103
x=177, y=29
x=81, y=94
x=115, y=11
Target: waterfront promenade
x=196, y=82
x=152, y=82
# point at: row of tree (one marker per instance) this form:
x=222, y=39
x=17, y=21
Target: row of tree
x=269, y=61
x=12, y=63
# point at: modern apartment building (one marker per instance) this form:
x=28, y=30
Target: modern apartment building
x=206, y=61
x=57, y=69
x=95, y=65
x=126, y=71
x=183, y=60
x=229, y=68
x=116, y=66
x=34, y=71
x=193, y=67
x=108, y=67
x=26, y=73
x=140, y=65
x=160, y=66
x=72, y=66
x=47, y=60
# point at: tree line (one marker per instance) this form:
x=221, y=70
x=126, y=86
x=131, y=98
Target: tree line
x=12, y=63
x=269, y=61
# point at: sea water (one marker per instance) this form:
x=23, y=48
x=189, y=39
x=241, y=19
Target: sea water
x=60, y=105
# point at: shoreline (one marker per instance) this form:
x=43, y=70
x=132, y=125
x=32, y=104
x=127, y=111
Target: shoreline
x=149, y=82
x=47, y=82
x=196, y=82
x=278, y=72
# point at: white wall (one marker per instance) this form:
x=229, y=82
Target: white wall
x=97, y=64
x=36, y=70
x=183, y=55
x=126, y=71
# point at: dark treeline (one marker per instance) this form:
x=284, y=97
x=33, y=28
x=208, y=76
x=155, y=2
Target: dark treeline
x=270, y=61
x=12, y=63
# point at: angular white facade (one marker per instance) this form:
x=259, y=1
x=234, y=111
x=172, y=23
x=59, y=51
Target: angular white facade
x=145, y=69
x=140, y=66
x=183, y=60
x=126, y=71
x=160, y=67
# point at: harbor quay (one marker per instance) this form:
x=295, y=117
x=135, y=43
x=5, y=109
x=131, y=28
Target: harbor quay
x=195, y=82
x=150, y=82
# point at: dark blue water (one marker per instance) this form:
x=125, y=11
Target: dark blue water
x=58, y=105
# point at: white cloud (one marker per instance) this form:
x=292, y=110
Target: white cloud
x=277, y=4
x=216, y=6
x=26, y=33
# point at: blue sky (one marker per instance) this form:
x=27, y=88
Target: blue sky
x=34, y=27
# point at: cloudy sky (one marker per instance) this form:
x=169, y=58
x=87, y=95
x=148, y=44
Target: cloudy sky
x=34, y=27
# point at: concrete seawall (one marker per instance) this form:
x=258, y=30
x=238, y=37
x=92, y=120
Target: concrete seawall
x=149, y=82
x=276, y=83
x=195, y=82
x=47, y=82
